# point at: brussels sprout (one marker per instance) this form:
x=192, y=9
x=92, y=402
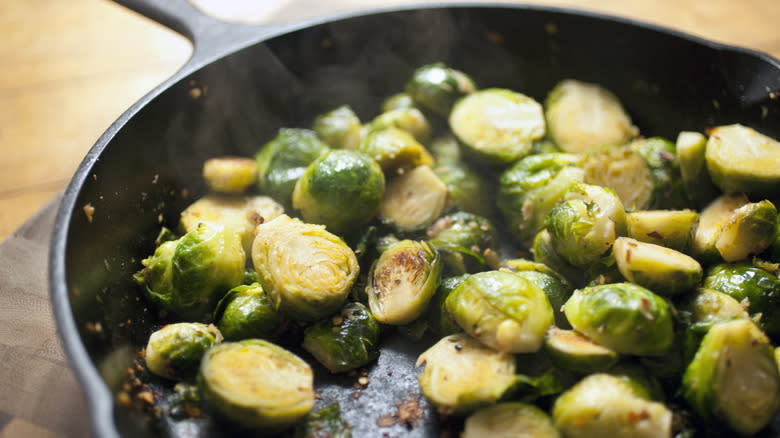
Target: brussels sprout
x=436, y=87
x=585, y=225
x=230, y=174
x=622, y=316
x=281, y=161
x=410, y=120
x=544, y=253
x=498, y=126
x=461, y=374
x=573, y=351
x=242, y=213
x=305, y=270
x=445, y=150
x=706, y=307
x=398, y=101
x=414, y=200
x=554, y=286
x=663, y=270
x=468, y=243
x=340, y=128
x=324, y=423
x=437, y=317
x=742, y=160
x=733, y=378
x=256, y=384
x=753, y=286
x=208, y=262
x=532, y=187
x=674, y=229
x=188, y=276
x=341, y=190
x=608, y=406
x=711, y=221
x=691, y=148
x=175, y=351
x=749, y=230
x=509, y=420
x=157, y=274
x=394, y=149
x=247, y=312
x=468, y=190
x=773, y=252
x=546, y=146
x=347, y=340
x=581, y=115
x=623, y=170
x=661, y=157
x=402, y=281
x=502, y=310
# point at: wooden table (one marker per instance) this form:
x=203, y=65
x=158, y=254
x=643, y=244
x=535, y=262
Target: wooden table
x=70, y=67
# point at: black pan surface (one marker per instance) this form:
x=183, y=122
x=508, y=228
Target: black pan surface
x=252, y=80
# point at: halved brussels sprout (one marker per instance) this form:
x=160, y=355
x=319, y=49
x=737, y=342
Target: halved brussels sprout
x=509, y=420
x=436, y=87
x=467, y=242
x=340, y=128
x=345, y=341
x=572, y=351
x=529, y=189
x=189, y=275
x=544, y=253
x=341, y=189
x=398, y=101
x=242, y=213
x=468, y=190
x=706, y=307
x=305, y=270
x=256, y=384
x=742, y=160
x=555, y=286
x=661, y=157
x=622, y=316
x=733, y=378
x=461, y=374
x=281, y=161
x=674, y=229
x=691, y=148
x=324, y=423
x=604, y=405
x=498, y=126
x=414, y=200
x=247, y=312
x=623, y=170
x=585, y=225
x=394, y=149
x=757, y=288
x=402, y=281
x=175, y=350
x=230, y=174
x=502, y=310
x=663, y=270
x=711, y=221
x=410, y=120
x=581, y=115
x=748, y=231
x=437, y=317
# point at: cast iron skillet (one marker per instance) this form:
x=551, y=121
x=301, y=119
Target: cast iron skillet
x=244, y=82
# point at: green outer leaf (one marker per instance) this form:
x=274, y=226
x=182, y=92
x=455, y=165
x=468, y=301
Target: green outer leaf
x=350, y=344
x=247, y=312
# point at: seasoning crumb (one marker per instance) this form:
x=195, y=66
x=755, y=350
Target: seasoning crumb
x=75, y=291
x=146, y=397
x=495, y=37
x=94, y=327
x=106, y=265
x=363, y=381
x=89, y=211
x=195, y=93
x=407, y=413
x=356, y=395
x=337, y=320
x=123, y=399
x=317, y=396
x=551, y=28
x=159, y=218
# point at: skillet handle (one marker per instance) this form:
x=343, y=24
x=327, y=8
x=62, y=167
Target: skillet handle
x=209, y=36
